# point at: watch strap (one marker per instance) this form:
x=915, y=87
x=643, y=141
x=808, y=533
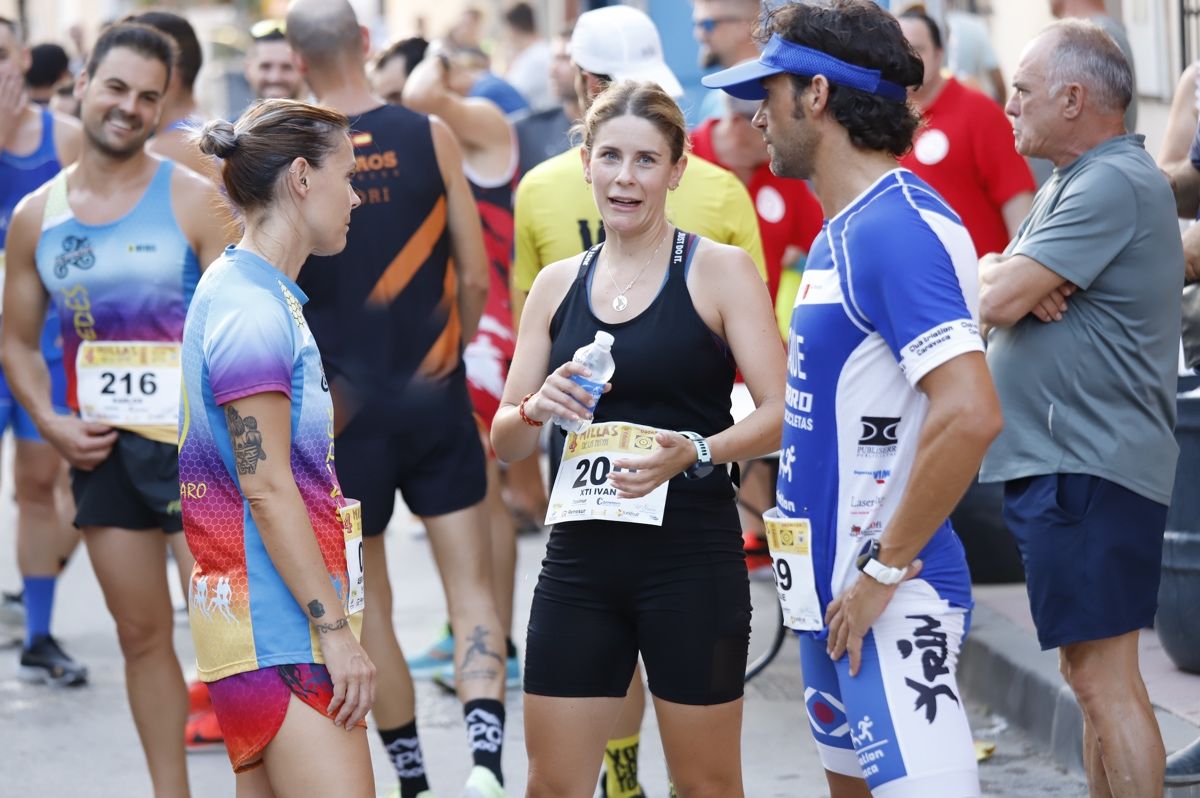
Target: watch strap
x=883, y=574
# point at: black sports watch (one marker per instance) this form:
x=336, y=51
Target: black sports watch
x=704, y=464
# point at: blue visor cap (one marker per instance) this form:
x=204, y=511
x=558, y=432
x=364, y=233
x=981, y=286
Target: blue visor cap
x=744, y=81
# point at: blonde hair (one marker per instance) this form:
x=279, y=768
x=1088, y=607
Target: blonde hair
x=638, y=98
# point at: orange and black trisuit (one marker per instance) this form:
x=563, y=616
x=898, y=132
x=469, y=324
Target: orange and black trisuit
x=385, y=313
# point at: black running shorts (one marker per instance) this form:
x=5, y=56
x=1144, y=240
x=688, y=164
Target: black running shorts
x=136, y=487
x=676, y=594
x=436, y=462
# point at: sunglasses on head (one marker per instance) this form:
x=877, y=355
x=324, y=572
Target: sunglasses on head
x=268, y=27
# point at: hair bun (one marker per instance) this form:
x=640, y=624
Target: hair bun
x=218, y=138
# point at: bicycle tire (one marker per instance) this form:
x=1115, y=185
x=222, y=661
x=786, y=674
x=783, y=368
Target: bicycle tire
x=757, y=665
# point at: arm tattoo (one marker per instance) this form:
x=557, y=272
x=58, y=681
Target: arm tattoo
x=247, y=440
x=332, y=627
x=316, y=609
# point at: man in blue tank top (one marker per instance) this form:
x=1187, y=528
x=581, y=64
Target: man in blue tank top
x=889, y=407
x=34, y=145
x=115, y=244
x=391, y=313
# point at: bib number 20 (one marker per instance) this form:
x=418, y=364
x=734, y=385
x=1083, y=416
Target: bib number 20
x=114, y=382
x=594, y=471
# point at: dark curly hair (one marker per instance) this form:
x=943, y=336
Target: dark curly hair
x=861, y=33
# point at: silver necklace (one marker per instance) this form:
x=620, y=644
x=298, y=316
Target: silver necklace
x=620, y=301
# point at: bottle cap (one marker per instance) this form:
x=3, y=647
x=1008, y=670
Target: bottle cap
x=604, y=339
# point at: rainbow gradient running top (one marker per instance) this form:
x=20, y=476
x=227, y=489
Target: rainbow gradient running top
x=245, y=335
x=128, y=280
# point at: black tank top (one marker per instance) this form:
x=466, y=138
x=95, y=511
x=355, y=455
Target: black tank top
x=384, y=309
x=672, y=371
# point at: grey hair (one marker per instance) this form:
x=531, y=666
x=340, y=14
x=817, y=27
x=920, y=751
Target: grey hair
x=1084, y=53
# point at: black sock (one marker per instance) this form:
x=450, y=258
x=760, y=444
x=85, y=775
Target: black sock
x=404, y=748
x=510, y=648
x=485, y=733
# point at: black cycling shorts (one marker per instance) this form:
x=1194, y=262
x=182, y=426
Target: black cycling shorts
x=676, y=594
x=136, y=487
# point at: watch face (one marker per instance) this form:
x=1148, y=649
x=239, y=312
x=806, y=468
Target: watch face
x=867, y=553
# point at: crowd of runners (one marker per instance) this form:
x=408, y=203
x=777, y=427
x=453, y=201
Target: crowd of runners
x=377, y=276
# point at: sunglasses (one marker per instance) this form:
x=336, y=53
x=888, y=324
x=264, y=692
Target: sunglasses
x=268, y=27
x=710, y=24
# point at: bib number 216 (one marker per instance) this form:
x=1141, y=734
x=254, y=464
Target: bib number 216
x=114, y=382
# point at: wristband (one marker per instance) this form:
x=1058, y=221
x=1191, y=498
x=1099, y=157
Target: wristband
x=525, y=418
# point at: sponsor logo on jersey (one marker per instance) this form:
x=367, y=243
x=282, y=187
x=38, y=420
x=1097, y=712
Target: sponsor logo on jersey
x=880, y=475
x=879, y=437
x=77, y=253
x=928, y=644
x=143, y=248
x=856, y=530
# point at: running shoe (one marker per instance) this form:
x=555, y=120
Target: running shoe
x=395, y=793
x=482, y=783
x=12, y=611
x=641, y=793
x=435, y=658
x=198, y=698
x=512, y=676
x=203, y=732
x=45, y=662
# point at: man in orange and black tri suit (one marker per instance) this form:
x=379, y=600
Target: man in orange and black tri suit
x=391, y=312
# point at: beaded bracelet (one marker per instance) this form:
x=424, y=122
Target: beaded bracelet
x=525, y=418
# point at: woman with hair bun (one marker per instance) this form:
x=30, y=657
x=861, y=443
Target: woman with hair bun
x=277, y=594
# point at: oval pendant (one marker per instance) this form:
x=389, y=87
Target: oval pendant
x=619, y=302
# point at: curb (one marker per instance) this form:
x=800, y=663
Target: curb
x=1002, y=667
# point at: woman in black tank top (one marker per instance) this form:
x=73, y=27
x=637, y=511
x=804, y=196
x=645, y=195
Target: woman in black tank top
x=682, y=311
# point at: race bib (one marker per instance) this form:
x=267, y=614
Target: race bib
x=581, y=491
x=790, y=542
x=128, y=383
x=351, y=515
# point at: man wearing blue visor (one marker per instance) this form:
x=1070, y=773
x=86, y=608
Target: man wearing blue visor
x=890, y=408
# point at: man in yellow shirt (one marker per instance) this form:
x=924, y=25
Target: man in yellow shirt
x=556, y=217
x=555, y=214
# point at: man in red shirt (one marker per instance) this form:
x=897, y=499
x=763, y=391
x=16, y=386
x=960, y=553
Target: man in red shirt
x=789, y=217
x=965, y=148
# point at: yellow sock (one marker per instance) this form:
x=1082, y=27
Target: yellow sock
x=621, y=767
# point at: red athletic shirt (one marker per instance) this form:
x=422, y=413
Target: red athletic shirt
x=965, y=150
x=787, y=211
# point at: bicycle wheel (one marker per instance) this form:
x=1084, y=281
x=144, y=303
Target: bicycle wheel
x=767, y=632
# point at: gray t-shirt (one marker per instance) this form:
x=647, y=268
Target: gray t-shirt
x=1095, y=392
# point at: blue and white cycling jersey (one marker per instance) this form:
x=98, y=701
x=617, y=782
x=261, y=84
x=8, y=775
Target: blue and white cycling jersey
x=889, y=293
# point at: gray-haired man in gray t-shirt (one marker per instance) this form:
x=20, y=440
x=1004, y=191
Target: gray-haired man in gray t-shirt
x=1084, y=331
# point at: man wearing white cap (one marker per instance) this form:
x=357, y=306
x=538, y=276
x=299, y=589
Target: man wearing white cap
x=556, y=217
x=890, y=407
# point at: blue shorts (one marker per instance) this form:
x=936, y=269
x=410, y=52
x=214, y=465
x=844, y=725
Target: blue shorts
x=12, y=414
x=1093, y=554
x=900, y=723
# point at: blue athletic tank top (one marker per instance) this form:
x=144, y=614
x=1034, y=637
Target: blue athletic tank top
x=128, y=280
x=21, y=175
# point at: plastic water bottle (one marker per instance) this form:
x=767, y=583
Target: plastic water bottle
x=597, y=357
